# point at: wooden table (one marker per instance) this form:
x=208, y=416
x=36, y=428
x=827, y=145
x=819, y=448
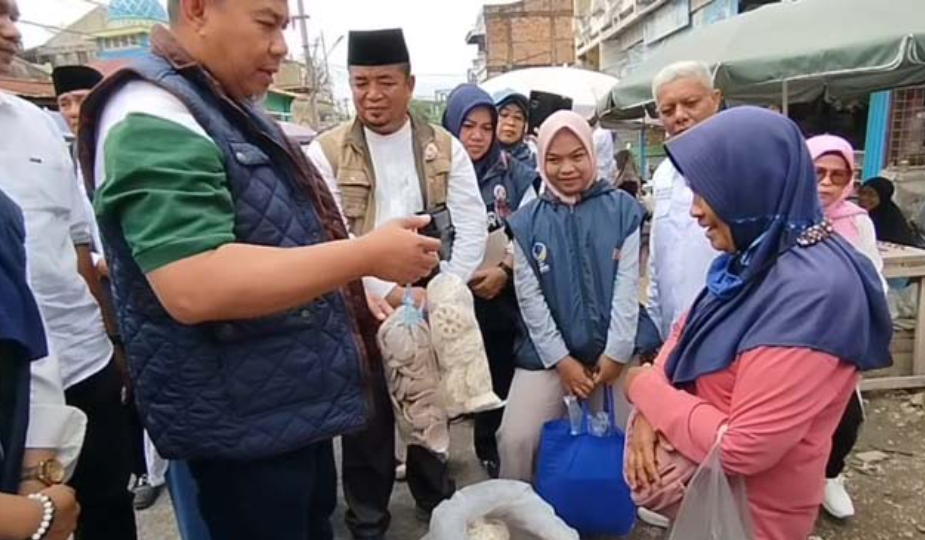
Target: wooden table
x=905, y=262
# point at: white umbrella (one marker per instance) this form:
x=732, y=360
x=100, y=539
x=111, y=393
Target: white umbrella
x=585, y=88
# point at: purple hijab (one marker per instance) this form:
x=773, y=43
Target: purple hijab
x=753, y=168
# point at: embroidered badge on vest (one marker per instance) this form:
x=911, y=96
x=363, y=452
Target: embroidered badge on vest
x=540, y=254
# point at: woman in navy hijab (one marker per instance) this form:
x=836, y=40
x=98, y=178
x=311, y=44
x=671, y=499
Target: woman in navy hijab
x=774, y=345
x=506, y=184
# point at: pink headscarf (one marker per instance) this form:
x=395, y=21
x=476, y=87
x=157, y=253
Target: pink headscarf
x=840, y=212
x=551, y=127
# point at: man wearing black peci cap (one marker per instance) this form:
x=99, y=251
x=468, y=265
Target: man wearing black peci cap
x=387, y=164
x=72, y=85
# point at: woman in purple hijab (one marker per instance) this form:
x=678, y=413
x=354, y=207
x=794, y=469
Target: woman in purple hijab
x=772, y=348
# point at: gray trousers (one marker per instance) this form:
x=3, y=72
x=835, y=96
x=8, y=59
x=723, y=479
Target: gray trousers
x=536, y=397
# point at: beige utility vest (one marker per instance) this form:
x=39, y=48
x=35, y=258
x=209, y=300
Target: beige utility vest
x=347, y=152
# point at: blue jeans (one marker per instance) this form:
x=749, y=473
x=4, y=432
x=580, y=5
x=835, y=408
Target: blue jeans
x=185, y=497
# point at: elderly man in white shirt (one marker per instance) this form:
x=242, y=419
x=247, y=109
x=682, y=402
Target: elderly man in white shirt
x=680, y=254
x=38, y=176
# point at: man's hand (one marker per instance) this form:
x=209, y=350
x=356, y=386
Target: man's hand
x=574, y=377
x=487, y=284
x=379, y=307
x=66, y=512
x=396, y=297
x=102, y=268
x=398, y=254
x=607, y=371
x=641, y=465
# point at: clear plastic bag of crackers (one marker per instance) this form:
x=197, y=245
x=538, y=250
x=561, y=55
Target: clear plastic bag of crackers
x=464, y=374
x=413, y=379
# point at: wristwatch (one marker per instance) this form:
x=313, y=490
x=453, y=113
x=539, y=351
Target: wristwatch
x=49, y=472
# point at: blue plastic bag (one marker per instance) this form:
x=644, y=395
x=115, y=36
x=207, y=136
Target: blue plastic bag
x=581, y=476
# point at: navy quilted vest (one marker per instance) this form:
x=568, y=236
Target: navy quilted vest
x=243, y=389
x=574, y=252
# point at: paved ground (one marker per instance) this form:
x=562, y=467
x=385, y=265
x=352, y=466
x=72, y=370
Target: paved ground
x=886, y=477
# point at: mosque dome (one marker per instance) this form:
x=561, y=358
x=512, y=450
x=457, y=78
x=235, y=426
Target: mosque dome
x=136, y=11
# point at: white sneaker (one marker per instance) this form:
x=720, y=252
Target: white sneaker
x=837, y=502
x=401, y=472
x=652, y=518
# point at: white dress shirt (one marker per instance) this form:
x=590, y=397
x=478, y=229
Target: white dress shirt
x=679, y=252
x=398, y=194
x=37, y=173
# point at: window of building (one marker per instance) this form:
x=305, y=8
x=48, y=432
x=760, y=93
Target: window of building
x=907, y=127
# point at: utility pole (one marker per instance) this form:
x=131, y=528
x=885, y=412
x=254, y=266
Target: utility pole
x=311, y=79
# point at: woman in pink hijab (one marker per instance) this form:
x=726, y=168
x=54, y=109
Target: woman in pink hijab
x=834, y=161
x=576, y=274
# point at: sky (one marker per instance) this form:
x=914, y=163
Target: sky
x=434, y=29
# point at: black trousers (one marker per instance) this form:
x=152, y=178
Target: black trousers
x=498, y=323
x=286, y=497
x=845, y=436
x=137, y=434
x=102, y=474
x=368, y=469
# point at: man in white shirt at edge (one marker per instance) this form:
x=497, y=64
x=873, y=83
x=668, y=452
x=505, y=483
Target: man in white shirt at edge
x=38, y=176
x=679, y=252
x=384, y=165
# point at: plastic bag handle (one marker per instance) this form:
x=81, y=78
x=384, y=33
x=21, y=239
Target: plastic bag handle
x=609, y=407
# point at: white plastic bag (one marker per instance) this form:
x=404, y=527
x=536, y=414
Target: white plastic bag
x=413, y=379
x=715, y=506
x=485, y=510
x=464, y=374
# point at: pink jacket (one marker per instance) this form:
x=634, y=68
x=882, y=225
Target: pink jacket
x=781, y=406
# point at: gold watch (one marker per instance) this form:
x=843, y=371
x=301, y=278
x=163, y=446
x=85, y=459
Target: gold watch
x=49, y=472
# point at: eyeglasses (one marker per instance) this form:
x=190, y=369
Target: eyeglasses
x=839, y=177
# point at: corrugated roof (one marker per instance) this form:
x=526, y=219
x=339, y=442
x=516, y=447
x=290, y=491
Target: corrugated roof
x=28, y=88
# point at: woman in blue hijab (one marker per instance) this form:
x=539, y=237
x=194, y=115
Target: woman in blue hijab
x=773, y=346
x=513, y=118
x=505, y=184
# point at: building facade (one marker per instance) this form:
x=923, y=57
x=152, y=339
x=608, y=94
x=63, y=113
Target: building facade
x=119, y=31
x=615, y=36
x=529, y=33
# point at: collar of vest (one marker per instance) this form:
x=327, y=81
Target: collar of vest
x=421, y=131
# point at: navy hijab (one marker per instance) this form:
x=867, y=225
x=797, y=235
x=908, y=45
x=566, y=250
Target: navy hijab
x=22, y=339
x=462, y=101
x=753, y=169
x=20, y=323
x=520, y=150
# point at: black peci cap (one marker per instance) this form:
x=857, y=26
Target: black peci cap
x=377, y=48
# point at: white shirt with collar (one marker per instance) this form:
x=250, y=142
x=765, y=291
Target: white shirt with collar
x=679, y=252
x=398, y=195
x=36, y=172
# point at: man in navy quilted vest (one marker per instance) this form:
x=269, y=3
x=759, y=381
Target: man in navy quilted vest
x=236, y=287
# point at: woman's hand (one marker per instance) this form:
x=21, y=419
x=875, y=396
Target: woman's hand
x=66, y=512
x=575, y=378
x=632, y=374
x=487, y=284
x=641, y=464
x=607, y=371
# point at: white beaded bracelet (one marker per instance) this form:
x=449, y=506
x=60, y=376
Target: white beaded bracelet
x=48, y=515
